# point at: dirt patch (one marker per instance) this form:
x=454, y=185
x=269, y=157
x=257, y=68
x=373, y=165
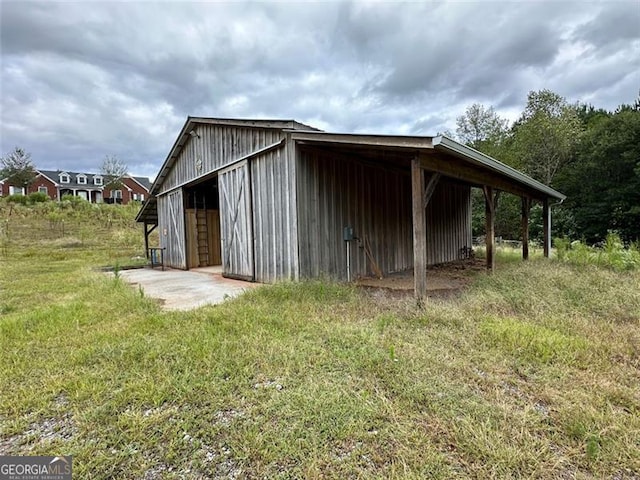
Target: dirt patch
x=442, y=280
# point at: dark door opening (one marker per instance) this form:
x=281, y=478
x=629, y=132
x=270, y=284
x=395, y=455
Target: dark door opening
x=202, y=222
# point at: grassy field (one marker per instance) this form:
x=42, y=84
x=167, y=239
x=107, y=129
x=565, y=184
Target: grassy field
x=533, y=372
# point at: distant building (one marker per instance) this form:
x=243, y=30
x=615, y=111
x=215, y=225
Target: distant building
x=90, y=186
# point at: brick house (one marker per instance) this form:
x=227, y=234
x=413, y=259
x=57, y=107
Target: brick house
x=90, y=186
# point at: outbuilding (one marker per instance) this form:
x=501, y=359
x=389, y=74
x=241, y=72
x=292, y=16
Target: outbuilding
x=273, y=200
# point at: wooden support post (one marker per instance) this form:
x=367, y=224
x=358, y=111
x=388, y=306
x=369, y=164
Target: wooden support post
x=147, y=232
x=546, y=228
x=419, y=230
x=526, y=206
x=146, y=241
x=490, y=227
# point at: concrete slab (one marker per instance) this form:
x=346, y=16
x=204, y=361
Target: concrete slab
x=186, y=289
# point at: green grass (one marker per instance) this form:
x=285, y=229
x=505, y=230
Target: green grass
x=530, y=373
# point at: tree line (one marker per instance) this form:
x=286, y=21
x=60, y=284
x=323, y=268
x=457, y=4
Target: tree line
x=590, y=154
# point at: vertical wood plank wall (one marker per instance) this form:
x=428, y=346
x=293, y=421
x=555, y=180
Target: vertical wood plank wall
x=172, y=228
x=337, y=191
x=448, y=222
x=193, y=260
x=212, y=240
x=273, y=192
x=213, y=237
x=236, y=226
x=274, y=216
x=216, y=146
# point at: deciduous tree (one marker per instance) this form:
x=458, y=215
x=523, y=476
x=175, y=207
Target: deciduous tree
x=546, y=135
x=113, y=170
x=482, y=128
x=17, y=168
x=603, y=185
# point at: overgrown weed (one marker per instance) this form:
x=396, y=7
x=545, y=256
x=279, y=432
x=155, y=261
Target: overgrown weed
x=531, y=372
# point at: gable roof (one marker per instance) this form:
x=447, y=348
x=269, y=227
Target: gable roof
x=144, y=182
x=54, y=176
x=191, y=122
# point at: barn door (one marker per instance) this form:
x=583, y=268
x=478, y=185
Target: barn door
x=236, y=222
x=173, y=219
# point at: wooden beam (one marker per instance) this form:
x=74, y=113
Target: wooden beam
x=489, y=204
x=146, y=241
x=526, y=206
x=546, y=228
x=455, y=168
x=431, y=187
x=419, y=230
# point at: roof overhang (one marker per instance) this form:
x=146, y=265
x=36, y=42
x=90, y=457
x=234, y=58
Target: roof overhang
x=380, y=141
x=148, y=212
x=440, y=154
x=470, y=155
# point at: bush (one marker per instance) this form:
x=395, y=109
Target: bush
x=611, y=254
x=77, y=203
x=21, y=199
x=37, y=197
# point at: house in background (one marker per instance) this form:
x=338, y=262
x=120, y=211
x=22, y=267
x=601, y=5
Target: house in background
x=274, y=200
x=89, y=186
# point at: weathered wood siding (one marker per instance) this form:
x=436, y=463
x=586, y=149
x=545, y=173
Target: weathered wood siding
x=172, y=228
x=448, y=222
x=216, y=146
x=211, y=241
x=236, y=222
x=337, y=191
x=274, y=216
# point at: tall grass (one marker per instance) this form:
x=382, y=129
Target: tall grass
x=530, y=373
x=612, y=253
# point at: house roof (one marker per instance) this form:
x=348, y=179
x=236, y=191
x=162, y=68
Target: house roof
x=54, y=176
x=143, y=181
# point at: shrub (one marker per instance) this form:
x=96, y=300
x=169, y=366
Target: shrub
x=562, y=247
x=611, y=254
x=37, y=197
x=77, y=203
x=21, y=199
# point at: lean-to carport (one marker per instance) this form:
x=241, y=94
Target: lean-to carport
x=430, y=161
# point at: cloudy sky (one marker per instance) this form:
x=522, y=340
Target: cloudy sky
x=81, y=80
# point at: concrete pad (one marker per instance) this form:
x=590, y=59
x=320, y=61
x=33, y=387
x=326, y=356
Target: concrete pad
x=186, y=289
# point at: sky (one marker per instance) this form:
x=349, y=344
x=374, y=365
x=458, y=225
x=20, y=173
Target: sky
x=82, y=80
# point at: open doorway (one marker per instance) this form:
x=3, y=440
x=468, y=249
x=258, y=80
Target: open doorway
x=202, y=222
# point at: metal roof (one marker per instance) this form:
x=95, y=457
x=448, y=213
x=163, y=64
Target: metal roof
x=400, y=143
x=442, y=144
x=445, y=144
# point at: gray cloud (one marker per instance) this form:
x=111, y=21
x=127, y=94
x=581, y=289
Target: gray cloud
x=84, y=79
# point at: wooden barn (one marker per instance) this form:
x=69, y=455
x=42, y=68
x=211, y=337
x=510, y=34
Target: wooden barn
x=274, y=200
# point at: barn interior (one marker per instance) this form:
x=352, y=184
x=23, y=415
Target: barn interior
x=202, y=223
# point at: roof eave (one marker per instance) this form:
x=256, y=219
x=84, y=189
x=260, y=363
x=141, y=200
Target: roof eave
x=451, y=146
x=390, y=141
